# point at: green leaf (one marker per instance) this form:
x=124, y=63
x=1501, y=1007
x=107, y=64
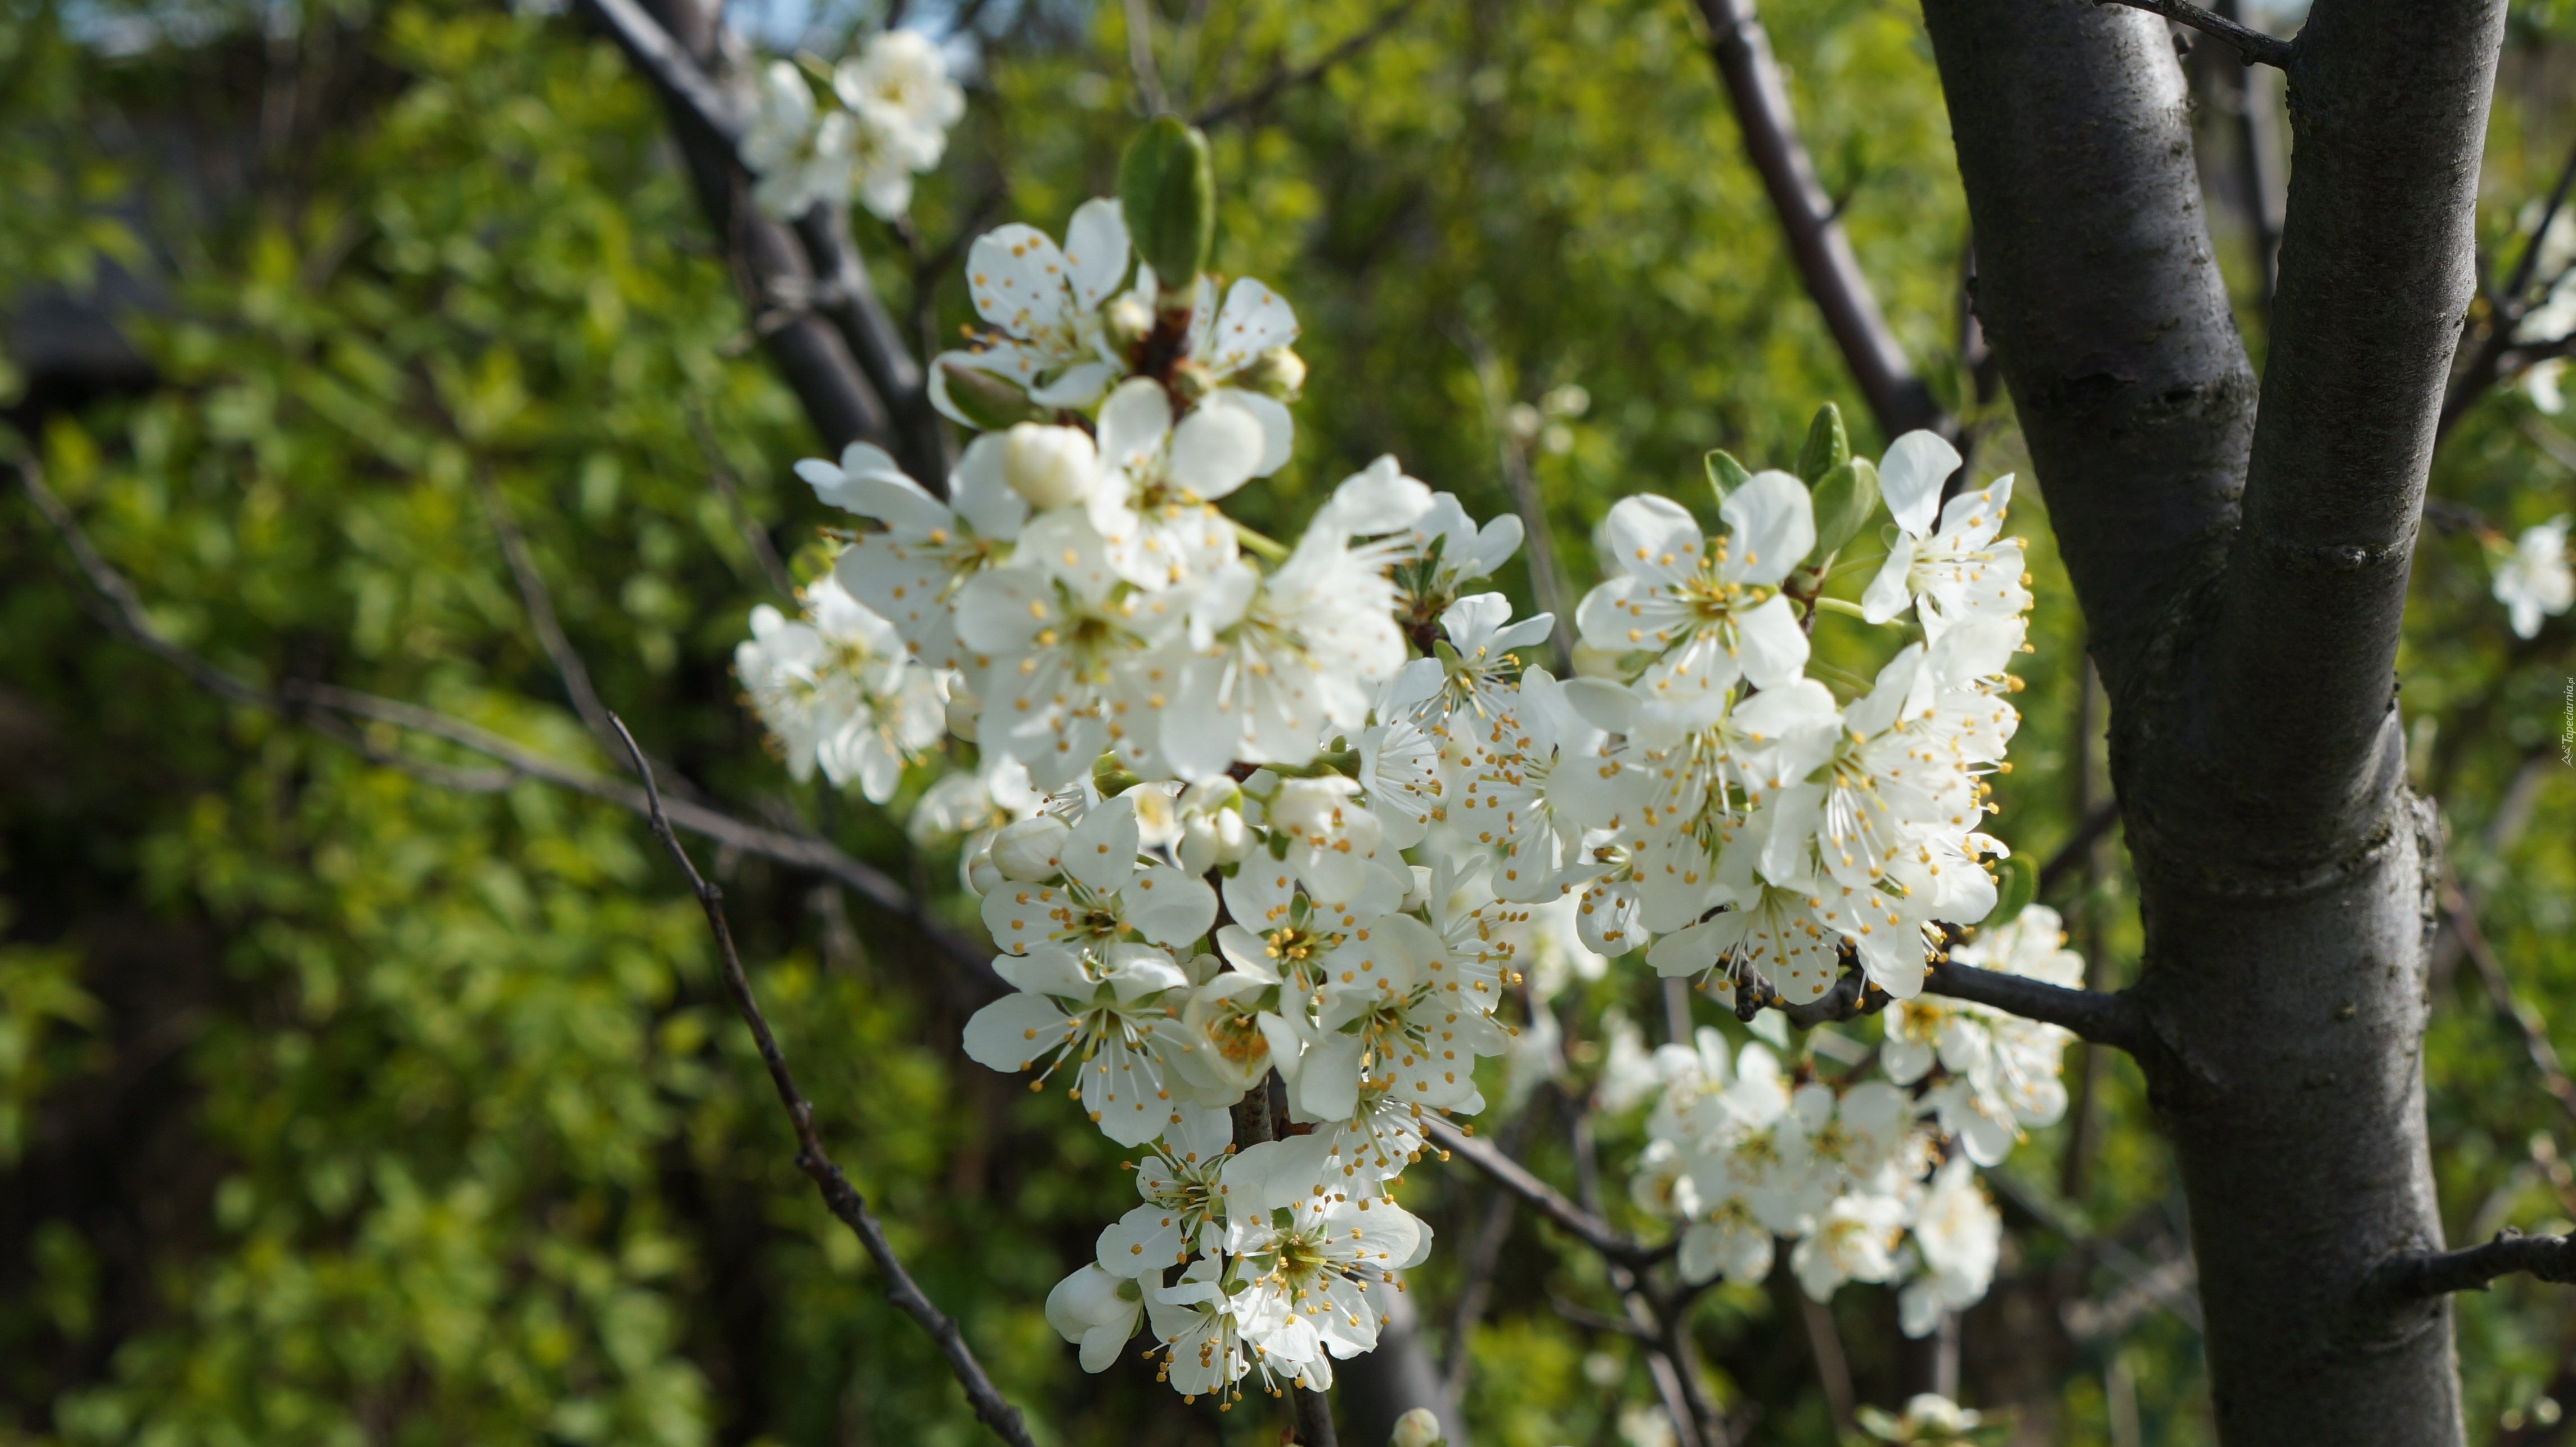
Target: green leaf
x=1725, y=474
x=1167, y=185
x=990, y=402
x=1845, y=498
x=2016, y=885
x=1827, y=447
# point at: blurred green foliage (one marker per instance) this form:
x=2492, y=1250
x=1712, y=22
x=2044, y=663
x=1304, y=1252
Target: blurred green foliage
x=339, y=1105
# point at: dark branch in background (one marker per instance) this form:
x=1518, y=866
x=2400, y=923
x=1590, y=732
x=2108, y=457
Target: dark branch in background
x=1547, y=573
x=2078, y=848
x=1286, y=79
x=1516, y=1178
x=754, y=536
x=2510, y=1007
x=541, y=613
x=2252, y=46
x=2506, y=310
x=810, y=295
x=2420, y=1274
x=838, y=1194
x=1897, y=398
x=327, y=708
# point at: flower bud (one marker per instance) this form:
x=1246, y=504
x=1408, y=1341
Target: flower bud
x=983, y=876
x=1417, y=895
x=1126, y=320
x=1417, y=1428
x=1595, y=662
x=1278, y=373
x=963, y=706
x=1052, y=467
x=1027, y=851
x=1209, y=840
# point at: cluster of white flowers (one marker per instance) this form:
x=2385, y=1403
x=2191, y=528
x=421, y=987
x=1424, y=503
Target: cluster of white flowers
x=1266, y=834
x=885, y=120
x=2533, y=580
x=839, y=690
x=1874, y=1180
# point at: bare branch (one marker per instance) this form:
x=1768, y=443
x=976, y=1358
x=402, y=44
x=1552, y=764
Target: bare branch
x=2104, y=1018
x=325, y=708
x=1809, y=221
x=800, y=297
x=2517, y=1013
x=1514, y=1177
x=2070, y=856
x=838, y=1194
x=2420, y=1274
x=541, y=612
x=2252, y=46
x=1286, y=79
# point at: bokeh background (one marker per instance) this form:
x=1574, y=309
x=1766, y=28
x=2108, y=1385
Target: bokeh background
x=340, y=1107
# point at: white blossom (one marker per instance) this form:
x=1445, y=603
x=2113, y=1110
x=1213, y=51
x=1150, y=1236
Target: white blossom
x=800, y=160
x=1096, y=1311
x=838, y=691
x=1044, y=305
x=1960, y=1237
x=2534, y=580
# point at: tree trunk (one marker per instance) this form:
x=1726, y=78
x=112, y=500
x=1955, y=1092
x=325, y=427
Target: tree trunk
x=2242, y=586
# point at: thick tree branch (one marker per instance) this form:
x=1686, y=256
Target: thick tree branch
x=2097, y=287
x=2252, y=46
x=1898, y=399
x=791, y=309
x=2377, y=251
x=2101, y=1017
x=2421, y=1274
x=839, y=1195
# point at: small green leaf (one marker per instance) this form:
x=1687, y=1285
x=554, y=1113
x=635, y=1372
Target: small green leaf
x=1167, y=186
x=1845, y=497
x=1827, y=448
x=2016, y=884
x=1725, y=474
x=990, y=402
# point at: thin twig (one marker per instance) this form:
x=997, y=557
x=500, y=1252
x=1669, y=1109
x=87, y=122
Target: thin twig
x=1140, y=57
x=754, y=536
x=2419, y=1274
x=542, y=619
x=1285, y=79
x=2252, y=46
x=1547, y=1200
x=314, y=705
x=2072, y=854
x=2517, y=1013
x=838, y=1194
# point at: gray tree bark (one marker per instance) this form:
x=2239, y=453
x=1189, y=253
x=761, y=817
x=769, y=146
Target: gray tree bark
x=2242, y=582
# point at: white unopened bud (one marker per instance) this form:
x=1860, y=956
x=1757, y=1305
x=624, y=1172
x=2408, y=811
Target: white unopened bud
x=982, y=875
x=1126, y=319
x=1050, y=466
x=1417, y=1428
x=1027, y=851
x=1591, y=662
x=1279, y=373
x=1208, y=840
x=1418, y=894
x=963, y=706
